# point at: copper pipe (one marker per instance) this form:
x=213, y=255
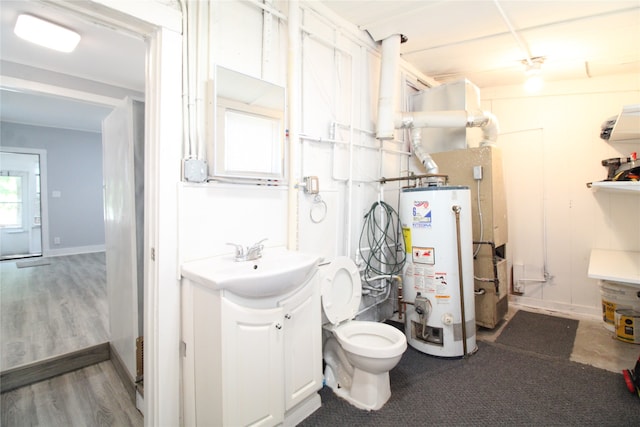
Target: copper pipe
x=384, y=180
x=401, y=304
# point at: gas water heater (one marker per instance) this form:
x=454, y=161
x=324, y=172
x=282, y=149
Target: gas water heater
x=438, y=274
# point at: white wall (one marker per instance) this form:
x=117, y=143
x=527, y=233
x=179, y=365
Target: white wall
x=551, y=148
x=74, y=175
x=204, y=209
x=340, y=69
x=214, y=214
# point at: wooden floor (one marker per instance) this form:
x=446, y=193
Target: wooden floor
x=92, y=396
x=53, y=309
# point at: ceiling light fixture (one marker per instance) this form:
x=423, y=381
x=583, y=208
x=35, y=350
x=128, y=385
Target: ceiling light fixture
x=533, y=73
x=45, y=33
x=533, y=82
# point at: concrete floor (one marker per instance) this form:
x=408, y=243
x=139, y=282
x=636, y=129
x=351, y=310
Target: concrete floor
x=594, y=345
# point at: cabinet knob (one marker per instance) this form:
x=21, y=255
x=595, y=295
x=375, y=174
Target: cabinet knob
x=278, y=326
x=287, y=316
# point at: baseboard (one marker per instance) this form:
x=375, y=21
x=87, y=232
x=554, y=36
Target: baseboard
x=74, y=251
x=41, y=370
x=567, y=310
x=121, y=369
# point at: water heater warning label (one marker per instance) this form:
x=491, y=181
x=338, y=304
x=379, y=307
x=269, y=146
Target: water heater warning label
x=421, y=214
x=424, y=255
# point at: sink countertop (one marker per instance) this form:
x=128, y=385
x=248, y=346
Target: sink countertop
x=277, y=272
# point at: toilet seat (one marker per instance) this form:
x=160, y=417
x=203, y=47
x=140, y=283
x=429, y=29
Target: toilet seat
x=341, y=290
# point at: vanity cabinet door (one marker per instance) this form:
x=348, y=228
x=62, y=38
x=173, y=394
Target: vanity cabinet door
x=252, y=345
x=302, y=344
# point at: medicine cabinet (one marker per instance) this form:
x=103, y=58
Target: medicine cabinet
x=248, y=134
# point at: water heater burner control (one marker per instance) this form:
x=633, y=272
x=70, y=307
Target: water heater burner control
x=447, y=319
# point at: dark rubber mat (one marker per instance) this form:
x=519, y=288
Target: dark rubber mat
x=540, y=333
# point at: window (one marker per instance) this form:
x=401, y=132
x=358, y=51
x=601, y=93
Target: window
x=10, y=200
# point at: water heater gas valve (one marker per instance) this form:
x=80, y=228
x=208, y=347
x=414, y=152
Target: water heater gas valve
x=422, y=306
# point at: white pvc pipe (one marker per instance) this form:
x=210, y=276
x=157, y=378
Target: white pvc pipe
x=186, y=136
x=202, y=75
x=349, y=201
x=389, y=67
x=294, y=104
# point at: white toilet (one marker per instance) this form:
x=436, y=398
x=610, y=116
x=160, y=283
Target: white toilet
x=358, y=354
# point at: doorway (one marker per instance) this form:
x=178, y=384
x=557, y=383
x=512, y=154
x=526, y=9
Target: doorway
x=62, y=118
x=20, y=205
x=161, y=27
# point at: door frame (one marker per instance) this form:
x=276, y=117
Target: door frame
x=161, y=26
x=44, y=204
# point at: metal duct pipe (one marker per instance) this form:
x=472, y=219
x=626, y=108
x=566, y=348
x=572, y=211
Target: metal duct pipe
x=444, y=119
x=431, y=119
x=388, y=80
x=423, y=156
x=388, y=120
x=450, y=119
x=490, y=129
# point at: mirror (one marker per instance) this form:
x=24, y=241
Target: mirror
x=248, y=137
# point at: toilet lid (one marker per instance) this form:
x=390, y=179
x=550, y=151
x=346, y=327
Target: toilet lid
x=341, y=290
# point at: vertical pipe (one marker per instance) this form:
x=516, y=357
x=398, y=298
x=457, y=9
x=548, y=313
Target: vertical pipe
x=457, y=209
x=186, y=140
x=385, y=128
x=293, y=94
x=351, y=159
x=202, y=74
x=192, y=31
x=401, y=303
x=267, y=39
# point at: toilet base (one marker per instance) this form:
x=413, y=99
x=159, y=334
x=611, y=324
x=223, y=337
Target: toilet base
x=368, y=391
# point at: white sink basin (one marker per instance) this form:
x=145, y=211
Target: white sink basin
x=276, y=273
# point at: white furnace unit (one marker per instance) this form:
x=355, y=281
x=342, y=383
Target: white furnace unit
x=438, y=274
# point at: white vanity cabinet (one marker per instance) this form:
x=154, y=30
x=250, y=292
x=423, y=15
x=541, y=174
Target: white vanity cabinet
x=250, y=361
x=252, y=365
x=302, y=345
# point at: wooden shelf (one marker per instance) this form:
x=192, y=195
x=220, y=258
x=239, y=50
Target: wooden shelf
x=627, y=127
x=625, y=186
x=616, y=266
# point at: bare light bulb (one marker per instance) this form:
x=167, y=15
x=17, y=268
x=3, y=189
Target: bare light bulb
x=534, y=81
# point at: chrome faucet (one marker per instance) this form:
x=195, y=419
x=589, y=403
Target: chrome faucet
x=250, y=253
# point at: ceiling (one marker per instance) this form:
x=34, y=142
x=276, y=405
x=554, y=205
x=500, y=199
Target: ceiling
x=482, y=40
x=486, y=41
x=106, y=62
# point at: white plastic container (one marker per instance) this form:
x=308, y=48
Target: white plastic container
x=616, y=296
x=628, y=325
